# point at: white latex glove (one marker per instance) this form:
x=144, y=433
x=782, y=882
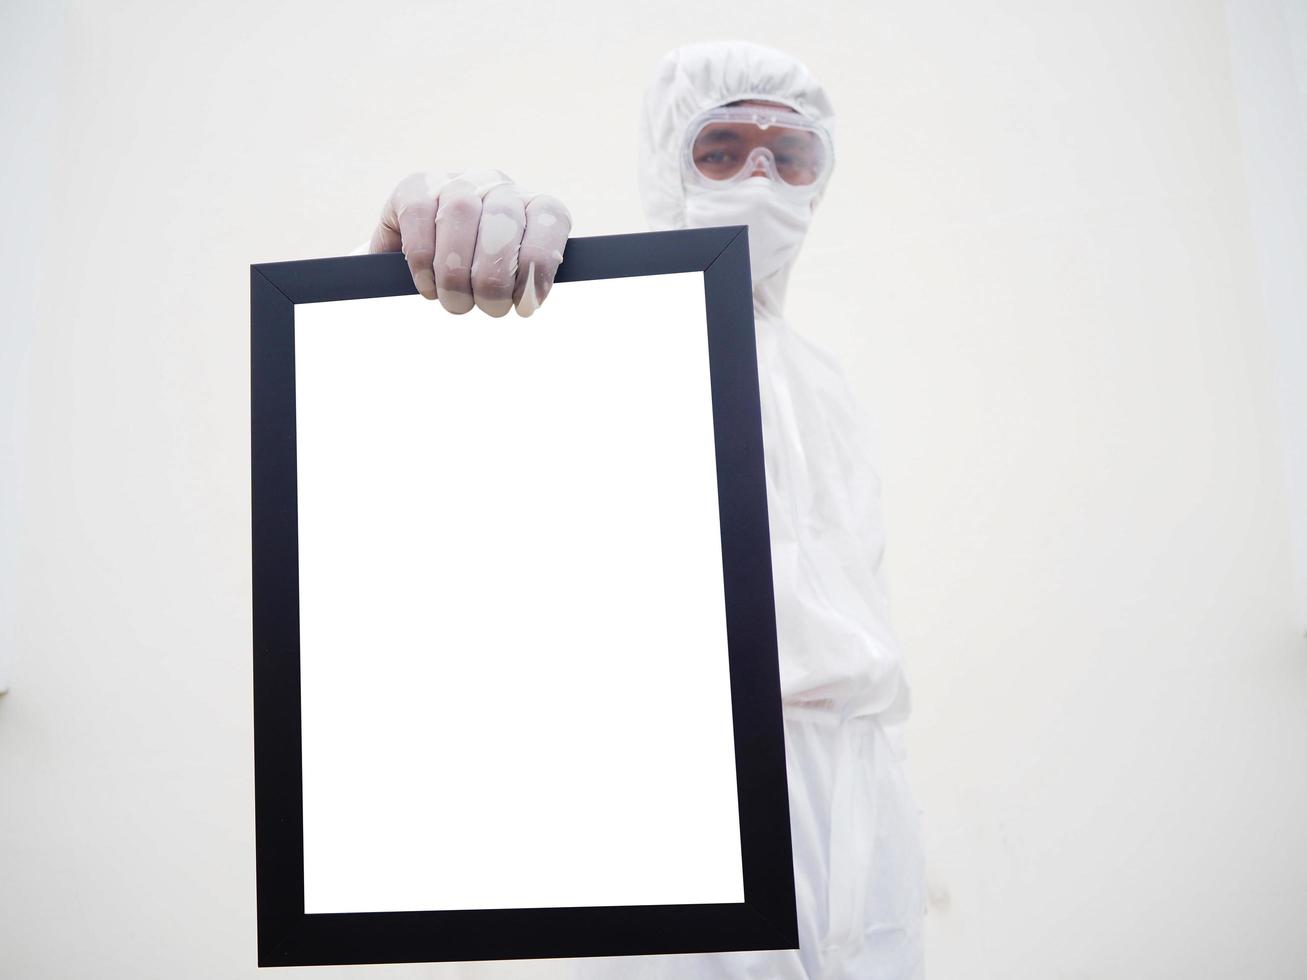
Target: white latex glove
x=475, y=239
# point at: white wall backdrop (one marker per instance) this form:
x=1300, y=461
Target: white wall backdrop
x=1268, y=49
x=29, y=75
x=1056, y=259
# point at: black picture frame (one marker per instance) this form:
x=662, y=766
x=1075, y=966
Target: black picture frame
x=766, y=920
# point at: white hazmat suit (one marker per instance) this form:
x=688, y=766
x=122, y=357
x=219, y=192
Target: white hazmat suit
x=858, y=859
x=858, y=863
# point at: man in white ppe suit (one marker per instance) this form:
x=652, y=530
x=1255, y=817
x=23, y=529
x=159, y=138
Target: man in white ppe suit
x=736, y=133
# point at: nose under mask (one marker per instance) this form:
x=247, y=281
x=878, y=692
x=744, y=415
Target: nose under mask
x=777, y=223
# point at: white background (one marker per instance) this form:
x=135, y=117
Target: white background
x=1057, y=258
x=514, y=671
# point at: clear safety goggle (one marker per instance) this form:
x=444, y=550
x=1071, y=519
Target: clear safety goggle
x=729, y=144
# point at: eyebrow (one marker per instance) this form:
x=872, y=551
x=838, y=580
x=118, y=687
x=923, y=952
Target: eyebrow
x=720, y=134
x=728, y=135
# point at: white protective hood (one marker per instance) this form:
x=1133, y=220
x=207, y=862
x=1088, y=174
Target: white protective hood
x=837, y=650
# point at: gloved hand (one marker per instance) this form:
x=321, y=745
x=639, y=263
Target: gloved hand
x=475, y=238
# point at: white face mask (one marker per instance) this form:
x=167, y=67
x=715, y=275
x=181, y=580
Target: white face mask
x=777, y=222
